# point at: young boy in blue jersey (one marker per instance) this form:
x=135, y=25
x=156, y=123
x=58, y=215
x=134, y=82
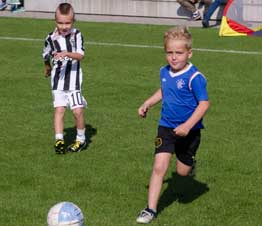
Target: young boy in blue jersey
x=184, y=103
x=64, y=48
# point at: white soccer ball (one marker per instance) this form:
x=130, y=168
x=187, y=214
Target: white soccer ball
x=65, y=214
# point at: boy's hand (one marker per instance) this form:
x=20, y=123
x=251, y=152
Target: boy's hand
x=182, y=130
x=47, y=70
x=60, y=55
x=142, y=110
x=64, y=55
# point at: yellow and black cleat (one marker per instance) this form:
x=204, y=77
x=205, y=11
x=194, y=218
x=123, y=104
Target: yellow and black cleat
x=59, y=147
x=77, y=146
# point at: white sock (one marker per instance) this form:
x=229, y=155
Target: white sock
x=81, y=135
x=59, y=136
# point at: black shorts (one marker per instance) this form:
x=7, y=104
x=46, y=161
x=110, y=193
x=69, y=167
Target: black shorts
x=185, y=148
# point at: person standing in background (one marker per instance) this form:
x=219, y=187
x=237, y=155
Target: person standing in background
x=190, y=6
x=211, y=9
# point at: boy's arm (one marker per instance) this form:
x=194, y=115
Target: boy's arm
x=183, y=129
x=72, y=55
x=47, y=51
x=151, y=101
x=47, y=68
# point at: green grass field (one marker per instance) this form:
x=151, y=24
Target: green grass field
x=109, y=180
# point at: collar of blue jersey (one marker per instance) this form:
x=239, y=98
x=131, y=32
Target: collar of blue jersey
x=174, y=74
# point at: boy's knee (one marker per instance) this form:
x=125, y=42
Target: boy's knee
x=182, y=169
x=78, y=112
x=159, y=170
x=182, y=172
x=60, y=110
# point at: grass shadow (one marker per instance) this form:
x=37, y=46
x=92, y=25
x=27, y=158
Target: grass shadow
x=181, y=189
x=70, y=134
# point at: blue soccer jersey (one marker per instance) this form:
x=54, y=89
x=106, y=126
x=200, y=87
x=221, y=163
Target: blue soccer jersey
x=181, y=93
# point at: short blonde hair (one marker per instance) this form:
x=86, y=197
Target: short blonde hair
x=179, y=33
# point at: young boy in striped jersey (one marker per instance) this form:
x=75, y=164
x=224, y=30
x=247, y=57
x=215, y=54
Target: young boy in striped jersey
x=62, y=53
x=184, y=103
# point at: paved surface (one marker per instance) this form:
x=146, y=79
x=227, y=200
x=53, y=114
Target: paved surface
x=111, y=18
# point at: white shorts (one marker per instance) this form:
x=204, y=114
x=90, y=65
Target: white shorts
x=72, y=99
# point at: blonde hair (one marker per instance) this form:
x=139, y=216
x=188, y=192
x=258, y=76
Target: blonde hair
x=178, y=33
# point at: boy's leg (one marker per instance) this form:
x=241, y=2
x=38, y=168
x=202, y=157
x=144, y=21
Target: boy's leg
x=59, y=120
x=160, y=167
x=164, y=149
x=186, y=149
x=182, y=169
x=80, y=142
x=59, y=129
x=79, y=117
x=80, y=124
x=77, y=104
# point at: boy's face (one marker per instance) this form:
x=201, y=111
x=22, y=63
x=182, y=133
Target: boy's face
x=177, y=54
x=64, y=23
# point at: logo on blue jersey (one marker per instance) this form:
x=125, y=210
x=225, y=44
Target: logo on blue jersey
x=180, y=83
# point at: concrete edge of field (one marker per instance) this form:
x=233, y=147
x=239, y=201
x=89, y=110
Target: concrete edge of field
x=112, y=18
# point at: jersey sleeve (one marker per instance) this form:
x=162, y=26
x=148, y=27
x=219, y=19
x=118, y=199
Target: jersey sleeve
x=80, y=43
x=47, y=50
x=198, y=86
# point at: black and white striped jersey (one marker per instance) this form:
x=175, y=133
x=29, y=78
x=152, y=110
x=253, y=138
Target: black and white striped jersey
x=66, y=73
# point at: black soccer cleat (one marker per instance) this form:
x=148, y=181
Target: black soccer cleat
x=59, y=147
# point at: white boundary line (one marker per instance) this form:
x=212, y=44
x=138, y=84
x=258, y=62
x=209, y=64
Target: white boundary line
x=137, y=46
